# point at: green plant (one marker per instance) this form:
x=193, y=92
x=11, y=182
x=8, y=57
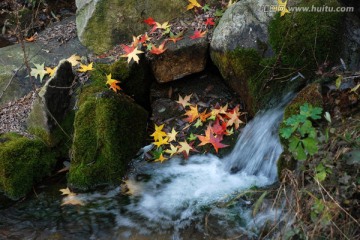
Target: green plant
x=298, y=130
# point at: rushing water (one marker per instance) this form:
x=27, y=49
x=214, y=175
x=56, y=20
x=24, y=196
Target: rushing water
x=168, y=199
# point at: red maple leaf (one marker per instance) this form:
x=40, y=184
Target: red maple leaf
x=159, y=50
x=209, y=21
x=216, y=142
x=219, y=129
x=198, y=34
x=150, y=21
x=127, y=49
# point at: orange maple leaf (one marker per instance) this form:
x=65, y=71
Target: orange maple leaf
x=177, y=37
x=159, y=50
x=205, y=139
x=192, y=114
x=198, y=34
x=204, y=116
x=234, y=117
x=112, y=83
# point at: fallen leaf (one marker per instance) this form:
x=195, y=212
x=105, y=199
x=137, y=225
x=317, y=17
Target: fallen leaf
x=144, y=38
x=38, y=71
x=173, y=150
x=219, y=129
x=112, y=83
x=234, y=118
x=31, y=39
x=205, y=139
x=85, y=68
x=74, y=60
x=161, y=158
x=192, y=114
x=198, y=123
x=161, y=141
x=51, y=71
x=216, y=142
x=73, y=200
x=198, y=34
x=204, y=116
x=185, y=147
x=177, y=37
x=150, y=21
x=66, y=191
x=159, y=50
x=133, y=55
x=192, y=4
x=184, y=101
x=172, y=135
x=210, y=22
x=158, y=133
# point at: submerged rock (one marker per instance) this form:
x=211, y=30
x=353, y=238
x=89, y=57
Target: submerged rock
x=23, y=162
x=109, y=129
x=103, y=23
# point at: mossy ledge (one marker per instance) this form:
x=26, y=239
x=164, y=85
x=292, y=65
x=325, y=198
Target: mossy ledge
x=109, y=129
x=310, y=94
x=23, y=162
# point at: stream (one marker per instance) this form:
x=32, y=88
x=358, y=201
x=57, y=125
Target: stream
x=177, y=199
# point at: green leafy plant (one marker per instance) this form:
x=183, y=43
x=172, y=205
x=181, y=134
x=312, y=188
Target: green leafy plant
x=300, y=133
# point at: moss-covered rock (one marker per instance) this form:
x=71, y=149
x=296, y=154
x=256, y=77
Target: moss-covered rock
x=23, y=162
x=310, y=94
x=103, y=23
x=307, y=39
x=301, y=43
x=109, y=129
x=135, y=79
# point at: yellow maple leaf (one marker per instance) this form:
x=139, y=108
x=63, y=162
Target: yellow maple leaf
x=172, y=135
x=173, y=150
x=161, y=158
x=66, y=191
x=133, y=55
x=74, y=60
x=185, y=147
x=112, y=83
x=85, y=68
x=51, y=71
x=192, y=4
x=164, y=26
x=161, y=141
x=158, y=133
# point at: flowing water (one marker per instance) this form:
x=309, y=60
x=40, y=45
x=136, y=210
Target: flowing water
x=178, y=199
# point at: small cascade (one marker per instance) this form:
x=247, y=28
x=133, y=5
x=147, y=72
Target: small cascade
x=258, y=147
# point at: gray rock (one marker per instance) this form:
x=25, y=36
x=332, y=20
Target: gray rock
x=53, y=101
x=49, y=51
x=180, y=59
x=244, y=25
x=101, y=24
x=351, y=42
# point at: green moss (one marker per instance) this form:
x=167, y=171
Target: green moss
x=135, y=79
x=307, y=39
x=23, y=162
x=237, y=67
x=109, y=130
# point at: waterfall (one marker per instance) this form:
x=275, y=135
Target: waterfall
x=258, y=147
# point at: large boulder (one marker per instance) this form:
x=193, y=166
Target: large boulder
x=180, y=59
x=49, y=49
x=109, y=129
x=244, y=56
x=52, y=103
x=23, y=162
x=103, y=23
x=239, y=42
